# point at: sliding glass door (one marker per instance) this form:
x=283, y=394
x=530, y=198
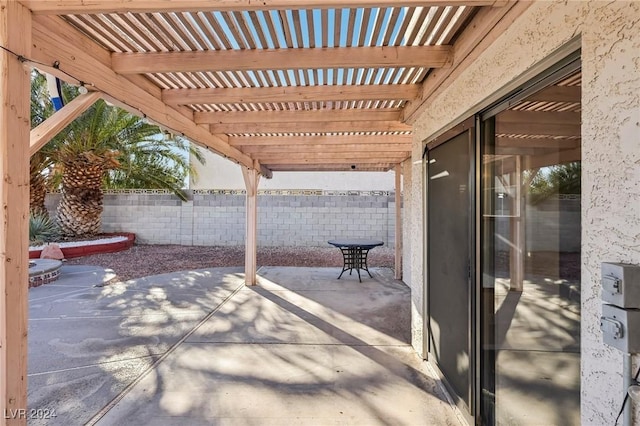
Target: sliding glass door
x=503, y=239
x=530, y=257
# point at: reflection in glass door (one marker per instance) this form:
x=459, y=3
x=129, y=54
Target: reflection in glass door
x=530, y=233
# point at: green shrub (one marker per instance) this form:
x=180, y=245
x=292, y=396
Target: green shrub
x=42, y=229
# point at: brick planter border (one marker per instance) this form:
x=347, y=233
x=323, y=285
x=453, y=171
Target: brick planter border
x=86, y=250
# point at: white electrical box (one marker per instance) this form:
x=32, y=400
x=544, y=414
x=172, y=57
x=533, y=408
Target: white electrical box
x=615, y=324
x=621, y=285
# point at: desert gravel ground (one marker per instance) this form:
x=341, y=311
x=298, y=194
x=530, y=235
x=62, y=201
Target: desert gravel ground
x=143, y=260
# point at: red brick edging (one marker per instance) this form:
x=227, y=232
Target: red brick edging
x=86, y=250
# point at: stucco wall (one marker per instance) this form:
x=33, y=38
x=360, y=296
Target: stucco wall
x=412, y=253
x=611, y=185
x=610, y=37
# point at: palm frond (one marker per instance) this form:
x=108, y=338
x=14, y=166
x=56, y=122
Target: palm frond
x=139, y=153
x=553, y=180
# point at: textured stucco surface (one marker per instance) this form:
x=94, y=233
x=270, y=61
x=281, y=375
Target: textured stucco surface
x=611, y=185
x=412, y=253
x=610, y=34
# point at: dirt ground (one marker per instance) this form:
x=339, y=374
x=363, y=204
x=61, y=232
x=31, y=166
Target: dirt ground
x=144, y=260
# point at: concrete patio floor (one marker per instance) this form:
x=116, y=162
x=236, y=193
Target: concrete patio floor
x=198, y=347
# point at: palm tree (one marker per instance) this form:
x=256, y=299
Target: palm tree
x=105, y=147
x=553, y=180
x=109, y=146
x=38, y=183
x=41, y=162
x=156, y=166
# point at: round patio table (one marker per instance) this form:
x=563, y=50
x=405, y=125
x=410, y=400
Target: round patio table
x=354, y=254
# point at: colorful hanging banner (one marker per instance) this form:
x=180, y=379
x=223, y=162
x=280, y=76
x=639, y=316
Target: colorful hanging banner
x=55, y=91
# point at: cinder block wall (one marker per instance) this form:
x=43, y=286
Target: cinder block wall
x=217, y=217
x=553, y=225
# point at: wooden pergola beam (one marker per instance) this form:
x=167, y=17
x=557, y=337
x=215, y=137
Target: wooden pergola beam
x=15, y=36
x=379, y=167
x=286, y=150
x=282, y=59
x=53, y=125
x=538, y=129
x=570, y=94
x=389, y=114
x=323, y=140
x=539, y=117
x=552, y=143
x=63, y=7
x=54, y=40
x=310, y=127
x=290, y=94
x=347, y=157
x=524, y=151
x=560, y=157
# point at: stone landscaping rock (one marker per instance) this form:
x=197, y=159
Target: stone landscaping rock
x=52, y=251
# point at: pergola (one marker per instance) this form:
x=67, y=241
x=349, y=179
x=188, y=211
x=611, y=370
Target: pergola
x=282, y=85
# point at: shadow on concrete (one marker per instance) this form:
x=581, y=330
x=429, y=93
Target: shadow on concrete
x=88, y=341
x=199, y=348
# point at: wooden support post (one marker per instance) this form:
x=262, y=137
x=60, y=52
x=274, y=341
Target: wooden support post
x=15, y=35
x=251, y=180
x=398, y=264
